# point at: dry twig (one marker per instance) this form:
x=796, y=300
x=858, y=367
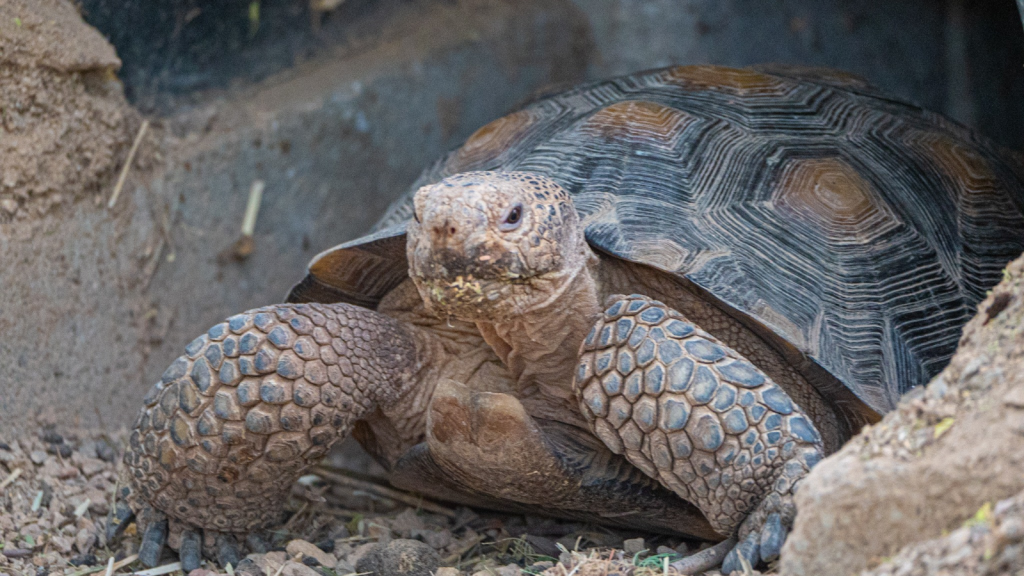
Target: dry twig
x=128, y=163
x=402, y=497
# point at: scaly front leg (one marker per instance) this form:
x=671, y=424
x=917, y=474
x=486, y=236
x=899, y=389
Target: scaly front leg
x=695, y=415
x=254, y=402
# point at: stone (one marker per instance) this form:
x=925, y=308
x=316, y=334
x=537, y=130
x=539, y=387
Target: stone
x=634, y=546
x=309, y=550
x=85, y=539
x=400, y=557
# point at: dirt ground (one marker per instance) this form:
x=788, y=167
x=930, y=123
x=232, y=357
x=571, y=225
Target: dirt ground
x=57, y=490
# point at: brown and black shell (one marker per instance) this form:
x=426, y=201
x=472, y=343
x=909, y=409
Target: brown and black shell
x=854, y=232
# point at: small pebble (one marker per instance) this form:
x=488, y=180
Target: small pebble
x=309, y=551
x=52, y=437
x=326, y=545
x=634, y=546
x=83, y=560
x=5, y=446
x=17, y=552
x=104, y=451
x=37, y=457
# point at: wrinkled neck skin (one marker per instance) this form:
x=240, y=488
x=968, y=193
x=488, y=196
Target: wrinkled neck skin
x=540, y=346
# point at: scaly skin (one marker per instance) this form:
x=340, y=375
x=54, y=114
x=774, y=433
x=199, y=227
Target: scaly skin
x=698, y=417
x=254, y=402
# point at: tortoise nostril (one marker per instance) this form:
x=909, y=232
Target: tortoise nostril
x=451, y=230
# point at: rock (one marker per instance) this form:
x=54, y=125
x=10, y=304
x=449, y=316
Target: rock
x=406, y=522
x=37, y=457
x=634, y=546
x=269, y=562
x=91, y=466
x=298, y=569
x=61, y=543
x=400, y=557
x=447, y=571
x=436, y=539
x=310, y=550
x=930, y=464
x=84, y=541
x=983, y=546
x=247, y=568
x=378, y=532
x=83, y=560
x=272, y=562
x=541, y=545
x=360, y=551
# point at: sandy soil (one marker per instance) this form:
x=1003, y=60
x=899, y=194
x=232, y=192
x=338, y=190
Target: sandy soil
x=65, y=124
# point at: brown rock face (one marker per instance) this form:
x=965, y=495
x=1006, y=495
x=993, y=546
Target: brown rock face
x=931, y=464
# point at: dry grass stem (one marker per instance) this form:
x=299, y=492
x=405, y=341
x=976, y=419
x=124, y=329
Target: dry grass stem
x=383, y=491
x=160, y=570
x=10, y=478
x=128, y=163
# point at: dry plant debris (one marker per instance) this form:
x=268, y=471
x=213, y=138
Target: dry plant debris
x=57, y=489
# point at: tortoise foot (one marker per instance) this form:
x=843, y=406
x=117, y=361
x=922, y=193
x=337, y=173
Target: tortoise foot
x=192, y=543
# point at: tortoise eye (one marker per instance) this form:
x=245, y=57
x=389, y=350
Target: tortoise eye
x=513, y=218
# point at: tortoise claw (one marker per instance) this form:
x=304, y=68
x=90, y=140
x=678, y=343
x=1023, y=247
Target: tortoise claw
x=191, y=550
x=118, y=520
x=227, y=550
x=743, y=555
x=773, y=535
x=257, y=543
x=153, y=540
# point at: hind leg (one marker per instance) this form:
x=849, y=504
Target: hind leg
x=484, y=449
x=701, y=419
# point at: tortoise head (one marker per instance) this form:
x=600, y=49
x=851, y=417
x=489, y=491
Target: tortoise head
x=491, y=245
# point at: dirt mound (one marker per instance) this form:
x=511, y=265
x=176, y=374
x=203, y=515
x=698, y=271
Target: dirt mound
x=64, y=122
x=992, y=542
x=931, y=464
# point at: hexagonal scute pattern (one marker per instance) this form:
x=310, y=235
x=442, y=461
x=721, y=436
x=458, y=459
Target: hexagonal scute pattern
x=857, y=229
x=688, y=410
x=255, y=401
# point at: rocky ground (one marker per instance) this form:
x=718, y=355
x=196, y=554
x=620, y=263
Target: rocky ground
x=56, y=490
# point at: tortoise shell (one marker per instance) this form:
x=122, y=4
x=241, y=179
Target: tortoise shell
x=854, y=232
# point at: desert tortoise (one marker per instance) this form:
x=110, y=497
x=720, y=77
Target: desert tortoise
x=800, y=250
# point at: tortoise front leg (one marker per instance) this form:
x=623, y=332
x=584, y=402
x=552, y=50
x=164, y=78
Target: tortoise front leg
x=254, y=402
x=698, y=417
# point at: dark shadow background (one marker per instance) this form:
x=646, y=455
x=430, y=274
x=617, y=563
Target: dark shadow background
x=964, y=58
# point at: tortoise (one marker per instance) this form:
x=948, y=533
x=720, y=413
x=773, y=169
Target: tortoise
x=653, y=302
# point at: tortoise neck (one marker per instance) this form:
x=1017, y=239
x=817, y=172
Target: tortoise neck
x=541, y=347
